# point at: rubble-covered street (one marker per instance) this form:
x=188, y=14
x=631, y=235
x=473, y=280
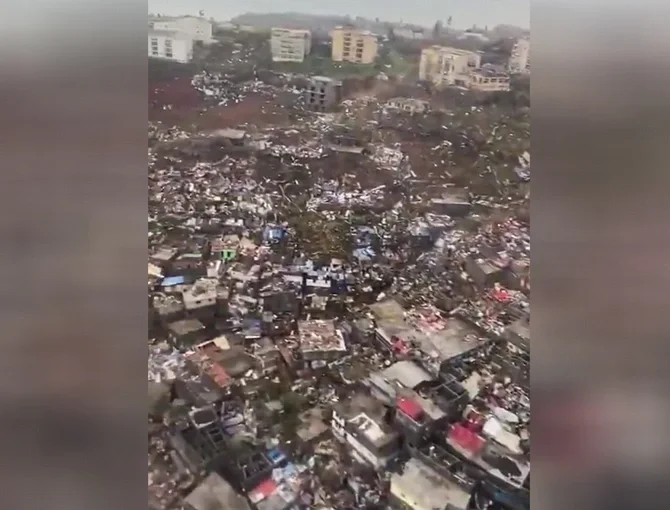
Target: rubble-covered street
x=339, y=300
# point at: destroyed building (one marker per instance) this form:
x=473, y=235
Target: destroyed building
x=323, y=93
x=420, y=487
x=362, y=423
x=338, y=286
x=320, y=340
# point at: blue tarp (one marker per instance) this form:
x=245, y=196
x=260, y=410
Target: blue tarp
x=276, y=456
x=273, y=233
x=364, y=253
x=171, y=281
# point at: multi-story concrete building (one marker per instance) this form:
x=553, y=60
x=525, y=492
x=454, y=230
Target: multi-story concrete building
x=489, y=80
x=519, y=61
x=170, y=45
x=323, y=93
x=199, y=29
x=360, y=423
x=351, y=45
x=442, y=66
x=289, y=45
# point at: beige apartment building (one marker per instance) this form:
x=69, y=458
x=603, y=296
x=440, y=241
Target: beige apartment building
x=488, y=80
x=351, y=45
x=443, y=66
x=288, y=45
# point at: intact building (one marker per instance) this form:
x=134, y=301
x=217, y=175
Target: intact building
x=489, y=80
x=361, y=422
x=197, y=28
x=170, y=45
x=519, y=61
x=351, y=45
x=289, y=45
x=447, y=66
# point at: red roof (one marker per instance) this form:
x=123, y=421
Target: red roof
x=409, y=407
x=218, y=373
x=466, y=439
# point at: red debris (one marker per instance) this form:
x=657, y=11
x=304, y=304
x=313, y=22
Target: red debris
x=409, y=407
x=466, y=439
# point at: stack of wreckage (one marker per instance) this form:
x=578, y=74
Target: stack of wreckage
x=286, y=374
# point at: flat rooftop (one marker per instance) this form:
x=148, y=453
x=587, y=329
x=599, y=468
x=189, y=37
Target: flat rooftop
x=214, y=493
x=186, y=326
x=452, y=51
x=364, y=416
x=435, y=336
x=420, y=486
x=175, y=34
x=407, y=373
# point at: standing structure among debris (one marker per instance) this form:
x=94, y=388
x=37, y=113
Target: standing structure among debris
x=420, y=487
x=441, y=65
x=215, y=492
x=170, y=45
x=360, y=422
x=351, y=45
x=323, y=93
x=489, y=79
x=408, y=104
x=519, y=61
x=194, y=27
x=289, y=45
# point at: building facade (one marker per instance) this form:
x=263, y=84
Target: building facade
x=351, y=45
x=442, y=66
x=519, y=61
x=323, y=93
x=170, y=46
x=289, y=45
x=198, y=29
x=484, y=80
x=359, y=422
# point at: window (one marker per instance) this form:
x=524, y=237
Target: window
x=168, y=48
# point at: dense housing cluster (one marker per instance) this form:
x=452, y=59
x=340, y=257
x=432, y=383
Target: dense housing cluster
x=338, y=295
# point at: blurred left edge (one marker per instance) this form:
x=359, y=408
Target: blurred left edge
x=74, y=200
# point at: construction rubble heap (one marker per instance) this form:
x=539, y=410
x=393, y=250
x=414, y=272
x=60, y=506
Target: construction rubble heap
x=339, y=301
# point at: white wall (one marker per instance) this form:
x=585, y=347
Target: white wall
x=198, y=29
x=289, y=46
x=340, y=433
x=520, y=59
x=182, y=47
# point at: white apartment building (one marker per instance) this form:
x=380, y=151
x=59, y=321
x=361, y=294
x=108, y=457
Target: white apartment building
x=170, y=45
x=519, y=61
x=288, y=45
x=447, y=66
x=199, y=29
x=358, y=422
